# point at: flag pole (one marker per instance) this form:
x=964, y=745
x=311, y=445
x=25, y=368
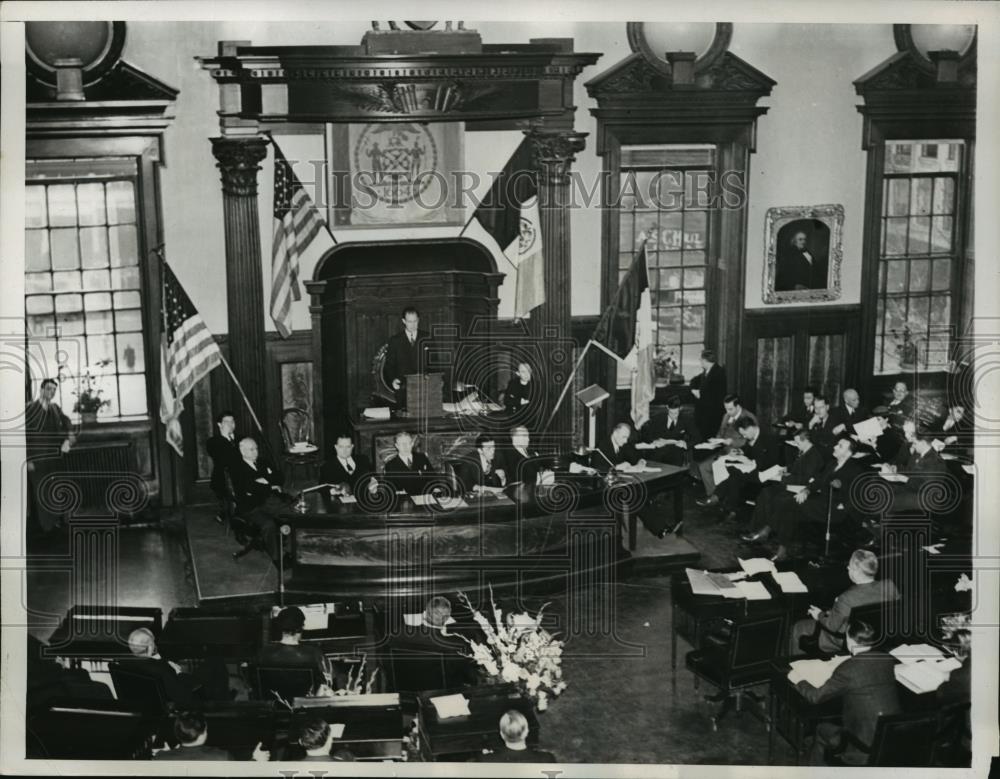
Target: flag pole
x=565, y=389
x=239, y=388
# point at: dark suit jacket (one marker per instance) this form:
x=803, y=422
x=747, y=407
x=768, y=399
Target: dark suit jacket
x=529, y=755
x=333, y=472
x=224, y=454
x=807, y=465
x=841, y=415
x=470, y=473
x=660, y=427
x=413, y=478
x=708, y=408
x=794, y=270
x=516, y=392
x=203, y=752
x=403, y=359
x=277, y=655
x=800, y=414
x=923, y=469
x=178, y=690
x=764, y=451
x=517, y=466
x=625, y=454
x=834, y=619
x=249, y=493
x=900, y=412
x=846, y=474
x=868, y=688
x=823, y=435
x=451, y=648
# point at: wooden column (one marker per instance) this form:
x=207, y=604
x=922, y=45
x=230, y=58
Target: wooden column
x=239, y=160
x=554, y=152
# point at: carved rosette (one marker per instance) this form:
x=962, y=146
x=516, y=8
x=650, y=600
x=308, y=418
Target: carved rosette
x=238, y=160
x=553, y=152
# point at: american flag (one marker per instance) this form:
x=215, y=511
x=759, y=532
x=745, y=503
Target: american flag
x=296, y=223
x=188, y=351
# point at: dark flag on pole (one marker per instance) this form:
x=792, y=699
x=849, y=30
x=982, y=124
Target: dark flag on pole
x=616, y=329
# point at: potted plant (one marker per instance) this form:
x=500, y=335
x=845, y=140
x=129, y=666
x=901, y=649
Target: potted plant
x=88, y=394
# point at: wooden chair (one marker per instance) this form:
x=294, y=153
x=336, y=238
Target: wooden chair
x=901, y=740
x=381, y=391
x=881, y=616
x=297, y=427
x=247, y=534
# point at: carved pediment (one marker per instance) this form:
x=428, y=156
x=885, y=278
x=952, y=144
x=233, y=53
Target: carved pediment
x=902, y=72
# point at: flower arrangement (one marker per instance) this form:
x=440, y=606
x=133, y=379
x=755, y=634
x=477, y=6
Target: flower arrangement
x=88, y=394
x=518, y=650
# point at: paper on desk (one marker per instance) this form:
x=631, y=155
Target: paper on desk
x=452, y=503
x=914, y=653
x=708, y=445
x=795, y=488
x=377, y=412
x=423, y=500
x=753, y=590
x=868, y=429
x=969, y=469
x=771, y=474
x=736, y=576
x=700, y=583
x=317, y=617
x=348, y=499
x=451, y=706
x=789, y=581
x=948, y=456
x=719, y=471
x=743, y=467
x=337, y=728
x=816, y=672
x=416, y=620
x=895, y=478
x=756, y=565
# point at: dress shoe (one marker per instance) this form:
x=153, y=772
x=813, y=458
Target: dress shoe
x=711, y=500
x=760, y=535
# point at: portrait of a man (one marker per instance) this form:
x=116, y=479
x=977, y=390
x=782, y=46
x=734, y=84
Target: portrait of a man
x=804, y=251
x=802, y=262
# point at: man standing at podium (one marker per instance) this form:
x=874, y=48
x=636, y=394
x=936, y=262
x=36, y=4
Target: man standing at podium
x=406, y=353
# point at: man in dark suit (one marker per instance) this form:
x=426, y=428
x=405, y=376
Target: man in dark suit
x=258, y=495
x=850, y=412
x=514, y=731
x=406, y=353
x=821, y=425
x=799, y=416
x=289, y=652
x=432, y=637
x=865, y=590
x=191, y=732
x=346, y=469
x=759, y=453
x=798, y=268
x=924, y=466
x=709, y=388
x=146, y=662
x=617, y=451
x=481, y=472
x=866, y=684
x=728, y=438
x=518, y=458
x=954, y=429
x=225, y=451
x=902, y=406
x=665, y=436
x=407, y=470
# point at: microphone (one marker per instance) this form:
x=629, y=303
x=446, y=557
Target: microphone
x=836, y=484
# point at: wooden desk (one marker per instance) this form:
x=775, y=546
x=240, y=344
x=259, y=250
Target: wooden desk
x=463, y=737
x=373, y=724
x=100, y=632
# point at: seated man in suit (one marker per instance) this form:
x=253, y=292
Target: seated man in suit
x=520, y=389
x=799, y=417
x=811, y=503
x=866, y=684
x=902, y=406
x=848, y=413
x=821, y=425
x=191, y=732
x=666, y=437
x=289, y=652
x=224, y=450
x=347, y=470
x=432, y=637
x=514, y=731
x=50, y=679
x=481, y=473
x=210, y=682
x=405, y=353
x=617, y=451
x=407, y=470
x=258, y=495
x=729, y=438
x=804, y=468
x=518, y=458
x=758, y=454
x=862, y=569
x=954, y=430
x=923, y=466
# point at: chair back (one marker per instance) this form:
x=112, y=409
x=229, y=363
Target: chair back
x=90, y=730
x=296, y=426
x=755, y=643
x=413, y=671
x=953, y=734
x=286, y=683
x=904, y=740
x=145, y=691
x=380, y=387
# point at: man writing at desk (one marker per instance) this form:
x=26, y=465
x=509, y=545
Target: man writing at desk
x=405, y=354
x=617, y=452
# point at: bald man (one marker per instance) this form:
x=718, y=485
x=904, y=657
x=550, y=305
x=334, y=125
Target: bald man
x=210, y=681
x=848, y=413
x=258, y=495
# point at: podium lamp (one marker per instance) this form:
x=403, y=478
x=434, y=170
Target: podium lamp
x=593, y=398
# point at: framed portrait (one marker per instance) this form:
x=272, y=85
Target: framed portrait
x=803, y=246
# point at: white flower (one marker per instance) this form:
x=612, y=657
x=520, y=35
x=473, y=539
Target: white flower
x=509, y=672
x=964, y=584
x=543, y=701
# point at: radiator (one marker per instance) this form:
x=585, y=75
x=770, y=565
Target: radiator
x=103, y=479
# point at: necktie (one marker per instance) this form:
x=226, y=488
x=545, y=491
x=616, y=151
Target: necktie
x=411, y=337
x=406, y=461
x=348, y=466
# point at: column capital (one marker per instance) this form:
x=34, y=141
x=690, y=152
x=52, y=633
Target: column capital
x=238, y=160
x=553, y=151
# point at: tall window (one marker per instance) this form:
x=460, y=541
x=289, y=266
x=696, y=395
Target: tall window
x=666, y=196
x=920, y=247
x=82, y=281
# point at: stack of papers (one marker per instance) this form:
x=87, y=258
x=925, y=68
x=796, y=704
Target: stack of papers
x=337, y=728
x=816, y=672
x=789, y=581
x=925, y=676
x=704, y=583
x=795, y=488
x=708, y=445
x=897, y=478
x=868, y=429
x=377, y=412
x=448, y=706
x=753, y=590
x=915, y=653
x=771, y=474
x=757, y=565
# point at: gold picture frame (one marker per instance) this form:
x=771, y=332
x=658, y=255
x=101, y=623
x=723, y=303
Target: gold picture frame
x=803, y=247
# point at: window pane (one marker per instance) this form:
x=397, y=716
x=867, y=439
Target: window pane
x=895, y=236
x=69, y=324
x=35, y=213
x=896, y=276
x=94, y=247
x=920, y=228
x=944, y=195
x=653, y=276
x=895, y=314
x=99, y=348
x=942, y=275
x=697, y=189
x=920, y=271
x=36, y=250
x=671, y=234
x=670, y=259
x=694, y=323
x=126, y=300
x=919, y=316
x=691, y=360
x=627, y=238
x=122, y=245
x=880, y=316
x=38, y=304
x=62, y=205
x=899, y=197
x=670, y=190
x=90, y=202
x=125, y=278
x=37, y=282
x=940, y=312
x=694, y=278
x=98, y=301
x=694, y=258
x=69, y=303
x=40, y=326
x=96, y=279
x=625, y=260
x=99, y=322
x=67, y=281
x=694, y=297
x=130, y=319
x=670, y=279
x=131, y=358
x=921, y=196
x=695, y=230
x=898, y=157
x=133, y=394
x=121, y=202
x=65, y=251
x=668, y=325
x=941, y=234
